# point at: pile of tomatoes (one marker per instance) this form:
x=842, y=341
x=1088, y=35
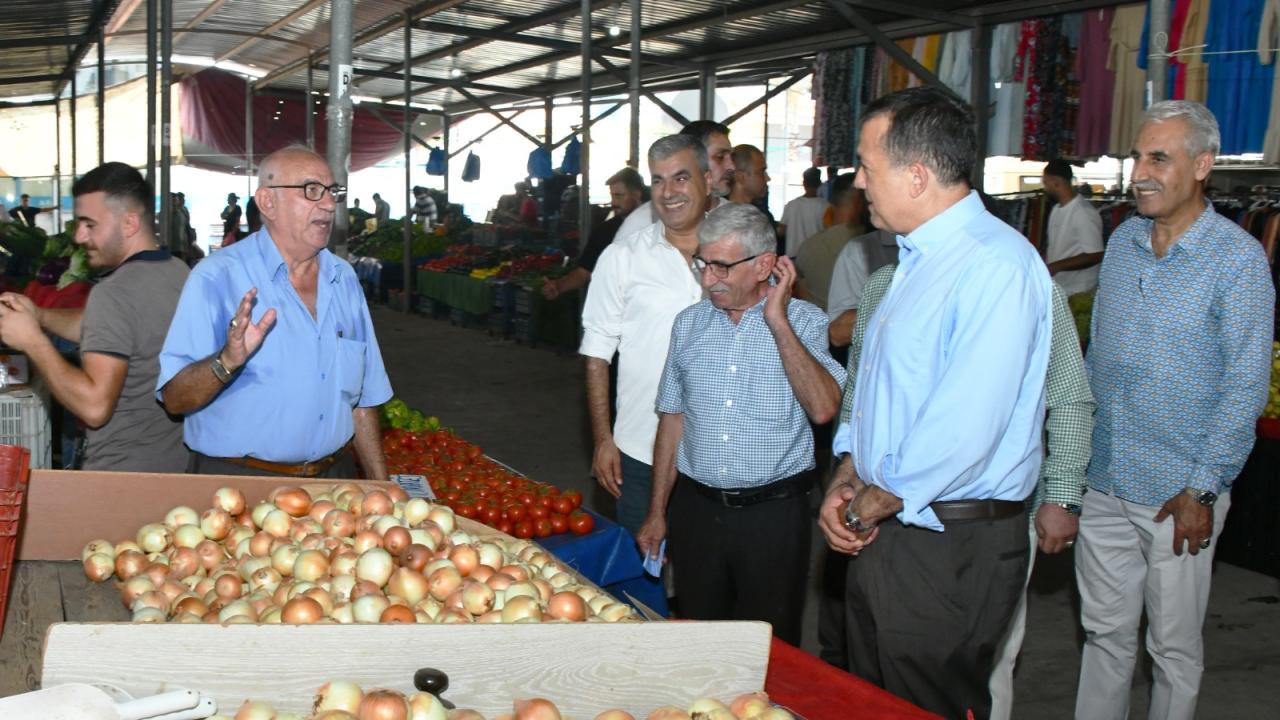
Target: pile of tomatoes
x=480, y=489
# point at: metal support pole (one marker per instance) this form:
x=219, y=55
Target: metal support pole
x=1158, y=59
x=548, y=124
x=444, y=133
x=584, y=183
x=74, y=90
x=408, y=147
x=980, y=91
x=151, y=93
x=166, y=80
x=764, y=141
x=338, y=144
x=634, y=86
x=707, y=93
x=309, y=105
x=248, y=139
x=102, y=94
x=57, y=161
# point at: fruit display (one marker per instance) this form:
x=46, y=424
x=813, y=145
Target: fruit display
x=386, y=243
x=342, y=700
x=1273, y=392
x=509, y=262
x=344, y=554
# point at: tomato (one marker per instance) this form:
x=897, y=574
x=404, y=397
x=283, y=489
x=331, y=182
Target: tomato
x=492, y=514
x=526, y=498
x=451, y=495
x=563, y=505
x=474, y=452
x=542, y=528
x=575, y=497
x=547, y=501
x=538, y=512
x=581, y=523
x=516, y=513
x=523, y=529
x=505, y=526
x=559, y=523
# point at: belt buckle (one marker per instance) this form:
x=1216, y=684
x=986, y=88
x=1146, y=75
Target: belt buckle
x=725, y=495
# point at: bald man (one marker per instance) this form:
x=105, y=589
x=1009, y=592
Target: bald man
x=271, y=357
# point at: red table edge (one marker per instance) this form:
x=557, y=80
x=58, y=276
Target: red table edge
x=819, y=691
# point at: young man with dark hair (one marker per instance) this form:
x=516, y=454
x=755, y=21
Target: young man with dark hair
x=26, y=214
x=802, y=218
x=120, y=330
x=1075, y=232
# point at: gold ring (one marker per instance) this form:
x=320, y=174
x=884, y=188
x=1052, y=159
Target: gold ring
x=233, y=323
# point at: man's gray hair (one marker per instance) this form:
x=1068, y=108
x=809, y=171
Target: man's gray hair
x=741, y=222
x=1204, y=136
x=665, y=147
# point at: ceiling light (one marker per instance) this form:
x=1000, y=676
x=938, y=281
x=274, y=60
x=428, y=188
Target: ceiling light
x=614, y=31
x=456, y=72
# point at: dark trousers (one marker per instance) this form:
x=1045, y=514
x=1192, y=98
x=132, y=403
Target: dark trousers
x=746, y=563
x=637, y=490
x=833, y=638
x=343, y=469
x=927, y=610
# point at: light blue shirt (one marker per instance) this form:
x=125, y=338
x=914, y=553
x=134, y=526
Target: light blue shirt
x=743, y=425
x=949, y=401
x=1180, y=359
x=293, y=399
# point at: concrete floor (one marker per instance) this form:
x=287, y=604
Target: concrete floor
x=526, y=408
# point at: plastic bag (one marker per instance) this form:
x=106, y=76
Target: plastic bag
x=471, y=170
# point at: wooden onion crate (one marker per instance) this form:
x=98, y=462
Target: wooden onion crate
x=583, y=667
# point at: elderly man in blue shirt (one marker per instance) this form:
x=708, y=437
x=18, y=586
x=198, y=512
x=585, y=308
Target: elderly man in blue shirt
x=1179, y=363
x=747, y=369
x=271, y=355
x=943, y=446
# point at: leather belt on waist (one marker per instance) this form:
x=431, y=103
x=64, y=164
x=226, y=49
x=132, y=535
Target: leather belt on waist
x=309, y=469
x=968, y=510
x=744, y=497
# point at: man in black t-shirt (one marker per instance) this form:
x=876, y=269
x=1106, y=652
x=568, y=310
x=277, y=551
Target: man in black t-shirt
x=626, y=192
x=26, y=214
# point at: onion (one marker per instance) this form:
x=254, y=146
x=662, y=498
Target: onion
x=277, y=522
x=293, y=500
x=283, y=559
x=397, y=614
x=444, y=582
x=192, y=605
x=490, y=555
x=706, y=707
x=260, y=512
x=397, y=494
x=301, y=611
x=270, y=616
x=466, y=558
x=338, y=523
x=227, y=586
x=247, y=566
x=527, y=552
x=415, y=511
x=375, y=565
x=187, y=536
x=310, y=566
x=614, y=612
x=464, y=714
x=98, y=547
x=491, y=617
x=561, y=581
x=539, y=560
x=435, y=565
x=521, y=588
x=152, y=599
x=517, y=572
x=477, y=598
x=124, y=545
x=414, y=557
x=567, y=606
x=364, y=587
x=148, y=615
x=749, y=705
x=774, y=713
x=376, y=502
x=369, y=608
x=335, y=715
x=251, y=710
x=319, y=509
x=338, y=695
x=382, y=523
x=425, y=706
x=544, y=589
x=340, y=587
x=482, y=573
x=500, y=581
x=211, y=553
x=343, y=614
x=237, y=608
x=323, y=597
x=396, y=539
x=181, y=515
x=668, y=713
x=238, y=534
x=421, y=537
x=154, y=537
x=367, y=540
x=454, y=602
x=453, y=617
x=183, y=562
x=520, y=608
x=599, y=602
x=343, y=562
x=259, y=544
x=306, y=527
x=536, y=709
x=443, y=516
x=383, y=704
x=99, y=567
x=616, y=714
x=266, y=578
x=158, y=572
x=435, y=531
x=408, y=584
x=430, y=606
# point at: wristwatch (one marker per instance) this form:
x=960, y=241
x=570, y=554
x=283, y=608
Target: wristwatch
x=854, y=523
x=1073, y=509
x=220, y=371
x=1204, y=497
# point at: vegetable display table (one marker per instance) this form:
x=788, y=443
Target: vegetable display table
x=608, y=557
x=460, y=292
x=818, y=691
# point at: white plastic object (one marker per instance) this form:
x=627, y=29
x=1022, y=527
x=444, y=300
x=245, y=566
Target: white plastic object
x=159, y=705
x=74, y=701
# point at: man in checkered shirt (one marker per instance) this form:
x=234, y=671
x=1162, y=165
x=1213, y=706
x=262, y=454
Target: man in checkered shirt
x=747, y=370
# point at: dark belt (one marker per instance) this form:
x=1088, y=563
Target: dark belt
x=309, y=469
x=745, y=497
x=968, y=510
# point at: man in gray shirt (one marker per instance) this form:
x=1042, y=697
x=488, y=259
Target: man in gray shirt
x=120, y=330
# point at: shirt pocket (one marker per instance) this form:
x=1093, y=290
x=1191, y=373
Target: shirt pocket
x=350, y=369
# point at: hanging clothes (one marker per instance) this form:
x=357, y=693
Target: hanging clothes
x=1176, y=66
x=1239, y=87
x=926, y=51
x=1005, y=130
x=1130, y=91
x=858, y=97
x=899, y=75
x=1268, y=44
x=1196, y=74
x=833, y=107
x=955, y=64
x=1097, y=84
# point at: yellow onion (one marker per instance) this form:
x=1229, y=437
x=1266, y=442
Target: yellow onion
x=444, y=517
x=187, y=536
x=444, y=582
x=749, y=705
x=252, y=710
x=490, y=555
x=567, y=606
x=148, y=615
x=408, y=584
x=99, y=567
x=277, y=522
x=260, y=512
x=368, y=608
x=520, y=608
x=338, y=695
x=536, y=709
x=301, y=611
x=133, y=587
x=343, y=562
x=310, y=565
x=375, y=565
x=229, y=500
x=293, y=500
x=425, y=706
x=98, y=547
x=397, y=614
x=376, y=502
x=668, y=713
x=453, y=617
x=154, y=537
x=319, y=509
x=415, y=511
x=181, y=515
x=616, y=714
x=477, y=598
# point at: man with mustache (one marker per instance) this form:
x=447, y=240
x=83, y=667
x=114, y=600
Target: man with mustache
x=288, y=385
x=639, y=285
x=626, y=192
x=715, y=138
x=1179, y=363
x=747, y=370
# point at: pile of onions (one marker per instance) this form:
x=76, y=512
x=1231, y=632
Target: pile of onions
x=346, y=701
x=342, y=556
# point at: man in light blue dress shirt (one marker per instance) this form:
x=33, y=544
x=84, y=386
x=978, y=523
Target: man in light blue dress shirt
x=943, y=447
x=1179, y=362
x=271, y=355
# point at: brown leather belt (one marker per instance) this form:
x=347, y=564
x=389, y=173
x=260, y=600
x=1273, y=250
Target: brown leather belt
x=309, y=469
x=968, y=510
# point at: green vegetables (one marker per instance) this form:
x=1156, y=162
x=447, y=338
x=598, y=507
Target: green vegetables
x=1081, y=306
x=396, y=414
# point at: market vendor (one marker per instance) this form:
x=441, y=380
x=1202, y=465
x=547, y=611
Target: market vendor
x=25, y=213
x=747, y=370
x=119, y=331
x=271, y=356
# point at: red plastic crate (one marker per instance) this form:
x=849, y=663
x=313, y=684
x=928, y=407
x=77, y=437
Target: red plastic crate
x=15, y=465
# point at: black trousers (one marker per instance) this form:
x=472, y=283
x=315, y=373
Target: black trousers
x=748, y=563
x=927, y=610
x=344, y=468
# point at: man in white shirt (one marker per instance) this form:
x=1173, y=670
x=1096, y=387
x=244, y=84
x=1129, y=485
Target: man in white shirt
x=715, y=138
x=803, y=217
x=641, y=282
x=1075, y=233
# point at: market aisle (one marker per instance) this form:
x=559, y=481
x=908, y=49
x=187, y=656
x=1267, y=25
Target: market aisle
x=526, y=408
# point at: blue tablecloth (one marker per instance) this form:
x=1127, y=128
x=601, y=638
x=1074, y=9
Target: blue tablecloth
x=608, y=557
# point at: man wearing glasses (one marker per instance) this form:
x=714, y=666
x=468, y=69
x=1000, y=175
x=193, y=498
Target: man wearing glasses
x=747, y=370
x=271, y=355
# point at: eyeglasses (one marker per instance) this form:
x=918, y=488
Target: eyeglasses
x=717, y=268
x=315, y=191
